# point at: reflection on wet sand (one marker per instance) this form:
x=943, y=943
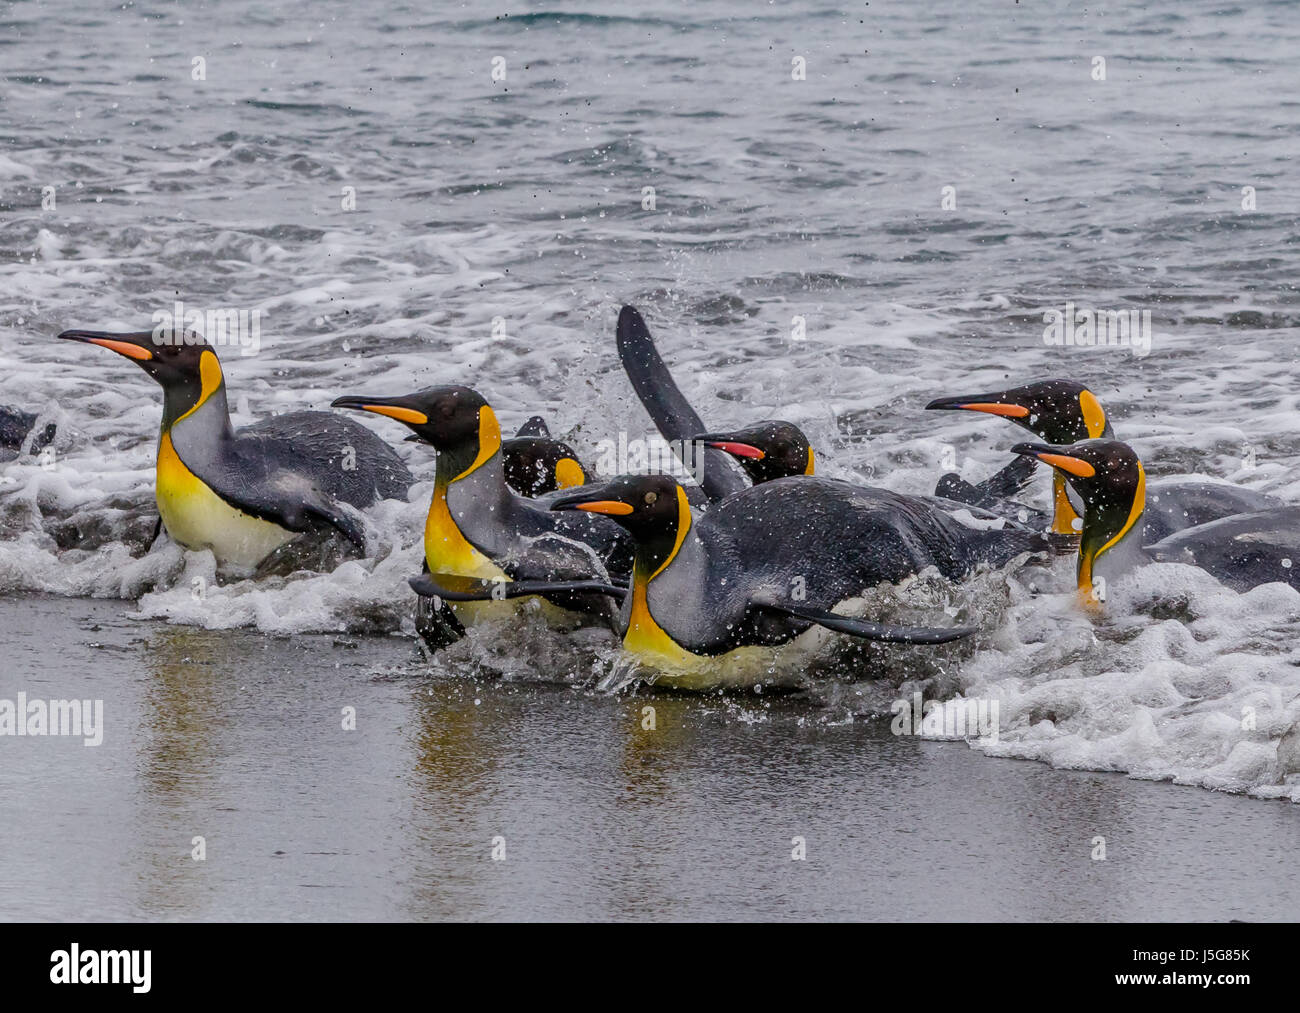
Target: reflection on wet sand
x=185, y=711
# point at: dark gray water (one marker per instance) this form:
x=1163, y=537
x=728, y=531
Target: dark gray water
x=237, y=737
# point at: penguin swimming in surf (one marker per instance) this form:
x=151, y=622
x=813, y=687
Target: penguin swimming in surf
x=1110, y=483
x=1241, y=551
x=535, y=462
x=1061, y=412
x=767, y=450
x=478, y=528
x=764, y=565
x=245, y=493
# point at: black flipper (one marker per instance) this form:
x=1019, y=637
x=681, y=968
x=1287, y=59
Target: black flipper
x=1011, y=480
x=336, y=515
x=1004, y=485
x=428, y=586
x=867, y=630
x=671, y=413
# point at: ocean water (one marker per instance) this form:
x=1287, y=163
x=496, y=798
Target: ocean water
x=500, y=223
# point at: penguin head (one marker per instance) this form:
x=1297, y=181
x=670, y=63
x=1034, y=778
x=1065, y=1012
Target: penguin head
x=1109, y=479
x=456, y=421
x=186, y=366
x=1058, y=411
x=536, y=465
x=653, y=508
x=766, y=451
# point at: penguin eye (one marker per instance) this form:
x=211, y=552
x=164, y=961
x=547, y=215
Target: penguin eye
x=650, y=498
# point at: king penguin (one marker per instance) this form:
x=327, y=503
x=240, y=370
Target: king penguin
x=1241, y=551
x=765, y=564
x=1062, y=412
x=244, y=493
x=478, y=529
x=535, y=462
x=1111, y=485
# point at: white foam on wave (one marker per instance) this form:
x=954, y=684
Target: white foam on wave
x=1180, y=680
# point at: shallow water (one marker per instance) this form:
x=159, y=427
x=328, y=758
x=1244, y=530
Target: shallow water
x=522, y=200
x=237, y=738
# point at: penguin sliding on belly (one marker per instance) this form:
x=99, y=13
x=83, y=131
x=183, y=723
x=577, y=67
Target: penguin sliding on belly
x=1062, y=412
x=479, y=529
x=766, y=564
x=245, y=493
x=1242, y=551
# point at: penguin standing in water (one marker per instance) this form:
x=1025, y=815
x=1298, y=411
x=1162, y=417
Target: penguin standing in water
x=1062, y=412
x=766, y=564
x=245, y=493
x=479, y=529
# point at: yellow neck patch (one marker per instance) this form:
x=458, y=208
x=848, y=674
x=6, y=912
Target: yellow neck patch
x=644, y=636
x=210, y=380
x=1135, y=512
x=569, y=473
x=809, y=470
x=489, y=440
x=446, y=549
x=1063, y=515
x=1094, y=416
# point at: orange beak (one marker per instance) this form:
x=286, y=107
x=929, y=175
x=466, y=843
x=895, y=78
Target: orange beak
x=612, y=507
x=131, y=349
x=1009, y=411
x=1072, y=465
